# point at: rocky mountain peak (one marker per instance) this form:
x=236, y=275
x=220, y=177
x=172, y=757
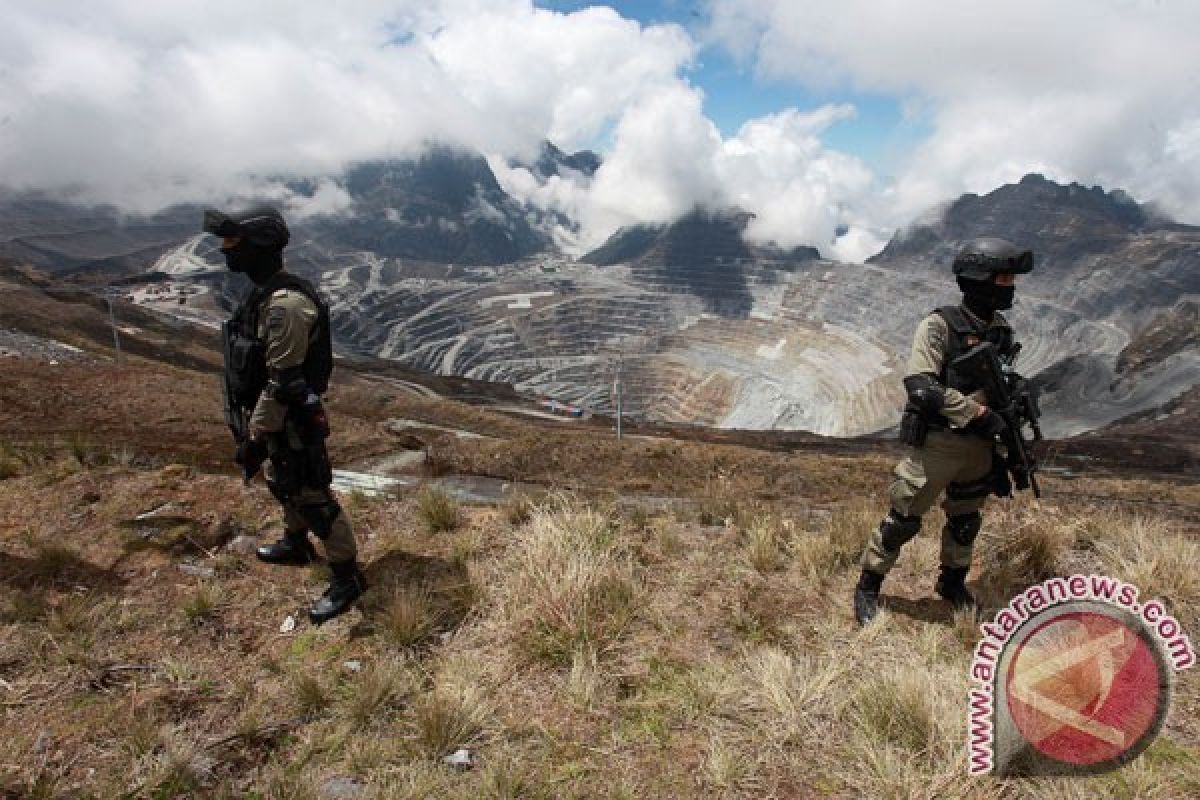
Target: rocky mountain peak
x=702, y=238
x=553, y=161
x=444, y=206
x=1053, y=219
x=442, y=175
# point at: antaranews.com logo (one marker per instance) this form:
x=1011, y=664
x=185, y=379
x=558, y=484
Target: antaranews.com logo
x=1073, y=676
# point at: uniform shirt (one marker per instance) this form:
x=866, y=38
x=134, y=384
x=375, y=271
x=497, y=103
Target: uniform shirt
x=285, y=325
x=929, y=356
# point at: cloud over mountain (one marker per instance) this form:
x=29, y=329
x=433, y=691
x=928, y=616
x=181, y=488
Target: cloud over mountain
x=144, y=105
x=1100, y=91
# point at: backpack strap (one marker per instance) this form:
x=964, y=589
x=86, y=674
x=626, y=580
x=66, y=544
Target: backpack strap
x=957, y=320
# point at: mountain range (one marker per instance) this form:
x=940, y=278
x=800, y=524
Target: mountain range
x=432, y=264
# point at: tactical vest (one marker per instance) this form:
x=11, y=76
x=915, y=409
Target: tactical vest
x=963, y=335
x=246, y=354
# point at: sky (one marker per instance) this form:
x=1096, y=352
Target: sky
x=835, y=124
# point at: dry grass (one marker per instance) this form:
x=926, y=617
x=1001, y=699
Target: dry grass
x=569, y=585
x=11, y=464
x=765, y=543
x=201, y=605
x=52, y=562
x=589, y=652
x=1152, y=556
x=837, y=545
x=310, y=693
x=517, y=508
x=1023, y=546
x=408, y=616
x=437, y=510
x=723, y=502
x=377, y=692
x=448, y=718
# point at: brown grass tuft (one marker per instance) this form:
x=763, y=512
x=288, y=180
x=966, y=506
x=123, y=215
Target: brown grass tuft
x=447, y=718
x=52, y=562
x=408, y=616
x=517, y=508
x=201, y=605
x=569, y=585
x=722, y=502
x=764, y=540
x=894, y=707
x=1150, y=555
x=11, y=464
x=438, y=510
x=1021, y=548
x=380, y=689
x=310, y=693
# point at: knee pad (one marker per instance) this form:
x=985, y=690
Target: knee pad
x=896, y=529
x=963, y=528
x=320, y=516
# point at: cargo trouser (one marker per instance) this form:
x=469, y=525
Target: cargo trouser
x=339, y=543
x=920, y=478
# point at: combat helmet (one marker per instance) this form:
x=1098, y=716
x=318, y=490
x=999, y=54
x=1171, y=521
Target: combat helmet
x=263, y=227
x=982, y=258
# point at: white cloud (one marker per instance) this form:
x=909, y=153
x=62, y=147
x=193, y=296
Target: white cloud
x=1100, y=91
x=668, y=158
x=145, y=104
x=149, y=103
x=328, y=198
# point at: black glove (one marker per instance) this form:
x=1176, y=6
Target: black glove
x=251, y=453
x=988, y=425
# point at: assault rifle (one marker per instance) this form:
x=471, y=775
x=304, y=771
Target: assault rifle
x=237, y=416
x=1010, y=396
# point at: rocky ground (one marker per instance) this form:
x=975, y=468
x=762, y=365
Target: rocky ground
x=15, y=344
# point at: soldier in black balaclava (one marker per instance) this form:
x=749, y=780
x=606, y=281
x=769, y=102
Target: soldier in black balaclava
x=952, y=432
x=278, y=362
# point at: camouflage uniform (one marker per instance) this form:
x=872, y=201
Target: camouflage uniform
x=950, y=458
x=285, y=326
x=953, y=435
x=278, y=356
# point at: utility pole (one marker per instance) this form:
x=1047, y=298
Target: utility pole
x=112, y=321
x=112, y=318
x=617, y=387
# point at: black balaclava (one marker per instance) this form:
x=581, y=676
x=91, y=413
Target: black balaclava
x=976, y=266
x=983, y=298
x=257, y=262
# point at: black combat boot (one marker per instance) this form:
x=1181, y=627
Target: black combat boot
x=347, y=585
x=951, y=586
x=866, y=596
x=293, y=548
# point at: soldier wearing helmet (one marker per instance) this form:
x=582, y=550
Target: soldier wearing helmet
x=278, y=360
x=951, y=432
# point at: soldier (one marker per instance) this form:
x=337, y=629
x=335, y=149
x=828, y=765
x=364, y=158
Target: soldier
x=952, y=433
x=278, y=362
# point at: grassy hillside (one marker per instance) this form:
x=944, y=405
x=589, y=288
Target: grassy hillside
x=665, y=616
x=577, y=644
